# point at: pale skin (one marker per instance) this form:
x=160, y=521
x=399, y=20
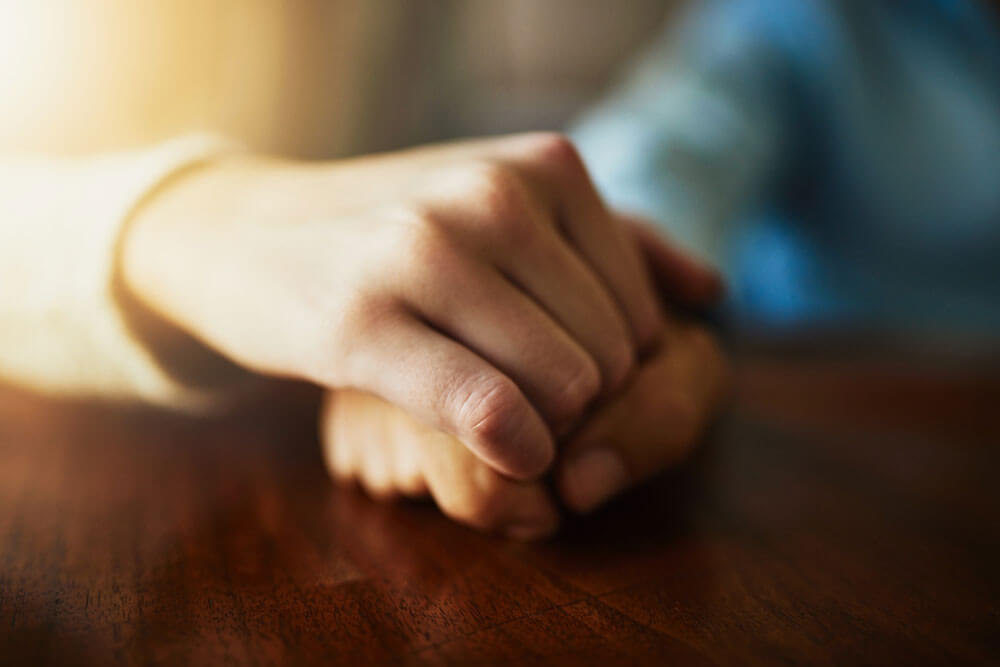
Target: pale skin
x=655, y=422
x=481, y=290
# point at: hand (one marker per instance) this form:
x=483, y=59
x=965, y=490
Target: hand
x=679, y=278
x=481, y=286
x=656, y=422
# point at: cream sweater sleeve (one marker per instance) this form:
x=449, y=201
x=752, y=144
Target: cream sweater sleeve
x=62, y=330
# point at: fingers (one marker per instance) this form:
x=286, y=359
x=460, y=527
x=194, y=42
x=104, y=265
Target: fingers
x=565, y=286
x=473, y=494
x=528, y=182
x=489, y=346
x=508, y=329
x=505, y=223
x=599, y=237
x=679, y=276
x=654, y=424
x=446, y=385
x=372, y=442
x=414, y=459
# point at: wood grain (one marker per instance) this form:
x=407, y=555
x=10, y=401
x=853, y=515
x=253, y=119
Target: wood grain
x=846, y=512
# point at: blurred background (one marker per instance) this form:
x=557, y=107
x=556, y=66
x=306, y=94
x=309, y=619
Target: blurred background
x=309, y=78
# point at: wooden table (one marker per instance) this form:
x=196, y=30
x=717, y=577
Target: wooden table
x=847, y=511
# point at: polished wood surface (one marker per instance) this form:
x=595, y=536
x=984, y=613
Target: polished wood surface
x=847, y=511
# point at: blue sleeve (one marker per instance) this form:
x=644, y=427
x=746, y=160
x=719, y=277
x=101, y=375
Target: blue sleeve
x=696, y=134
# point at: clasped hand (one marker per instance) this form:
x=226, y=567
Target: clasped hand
x=466, y=305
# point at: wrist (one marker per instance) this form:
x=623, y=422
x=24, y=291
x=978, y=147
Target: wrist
x=170, y=219
x=162, y=261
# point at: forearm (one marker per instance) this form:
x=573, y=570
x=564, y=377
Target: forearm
x=194, y=252
x=62, y=327
x=167, y=247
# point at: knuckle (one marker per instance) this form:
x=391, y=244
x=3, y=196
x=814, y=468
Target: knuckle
x=490, y=411
x=486, y=500
x=343, y=350
x=620, y=365
x=582, y=386
x=336, y=453
x=650, y=325
x=506, y=202
x=517, y=231
x=412, y=484
x=424, y=245
x=492, y=175
x=483, y=502
x=557, y=150
x=378, y=487
x=336, y=462
x=362, y=311
x=494, y=181
x=359, y=315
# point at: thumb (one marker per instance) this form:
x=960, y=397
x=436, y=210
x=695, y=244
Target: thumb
x=679, y=276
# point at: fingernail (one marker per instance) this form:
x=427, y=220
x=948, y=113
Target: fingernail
x=593, y=477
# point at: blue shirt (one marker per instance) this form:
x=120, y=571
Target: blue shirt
x=840, y=160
